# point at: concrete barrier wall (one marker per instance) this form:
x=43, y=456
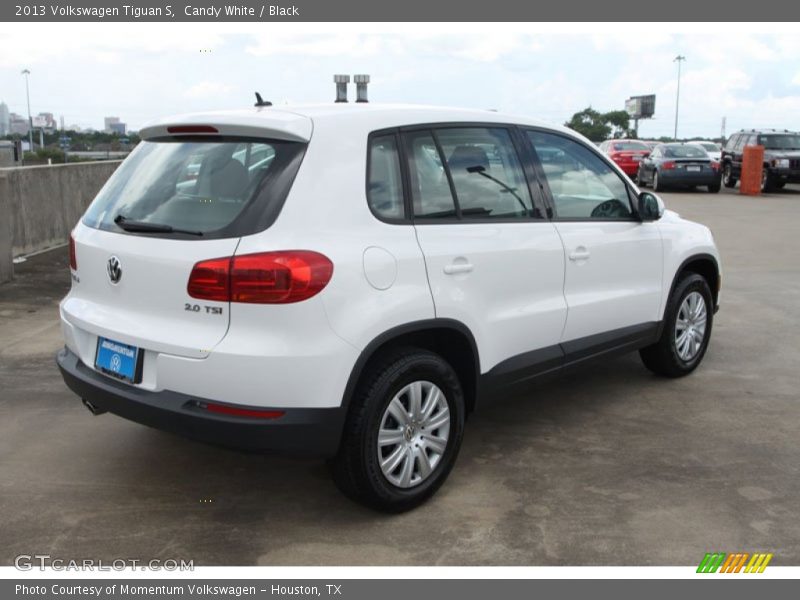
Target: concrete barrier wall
x=39, y=206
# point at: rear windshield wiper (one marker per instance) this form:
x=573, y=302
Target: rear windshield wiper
x=145, y=227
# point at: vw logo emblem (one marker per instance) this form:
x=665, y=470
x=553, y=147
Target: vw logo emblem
x=114, y=269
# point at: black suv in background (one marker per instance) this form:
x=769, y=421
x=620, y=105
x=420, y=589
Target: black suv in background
x=781, y=157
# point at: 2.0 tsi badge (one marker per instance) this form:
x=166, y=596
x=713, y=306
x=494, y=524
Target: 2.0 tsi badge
x=114, y=269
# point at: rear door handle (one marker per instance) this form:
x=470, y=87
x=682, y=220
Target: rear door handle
x=579, y=254
x=458, y=268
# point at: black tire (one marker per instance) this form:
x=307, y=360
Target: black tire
x=766, y=181
x=356, y=468
x=657, y=185
x=662, y=358
x=778, y=185
x=728, y=180
x=714, y=188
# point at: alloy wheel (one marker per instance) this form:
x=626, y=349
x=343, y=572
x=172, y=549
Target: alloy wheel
x=413, y=434
x=690, y=326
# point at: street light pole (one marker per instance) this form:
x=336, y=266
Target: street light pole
x=26, y=72
x=679, y=59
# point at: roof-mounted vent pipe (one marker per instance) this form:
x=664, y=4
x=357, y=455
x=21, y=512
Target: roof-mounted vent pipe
x=341, y=82
x=361, y=82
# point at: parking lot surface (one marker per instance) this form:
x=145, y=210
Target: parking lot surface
x=606, y=465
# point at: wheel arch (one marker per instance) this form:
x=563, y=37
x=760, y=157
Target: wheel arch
x=705, y=265
x=449, y=338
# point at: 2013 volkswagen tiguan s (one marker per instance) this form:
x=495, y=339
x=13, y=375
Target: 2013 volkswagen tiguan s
x=351, y=281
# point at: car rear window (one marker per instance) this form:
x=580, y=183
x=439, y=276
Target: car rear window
x=622, y=146
x=685, y=152
x=214, y=188
x=710, y=147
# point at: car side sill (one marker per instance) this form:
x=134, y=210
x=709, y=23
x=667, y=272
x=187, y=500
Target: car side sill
x=525, y=367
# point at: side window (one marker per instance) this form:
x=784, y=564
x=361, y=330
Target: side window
x=384, y=183
x=582, y=185
x=740, y=143
x=731, y=145
x=486, y=173
x=656, y=153
x=430, y=188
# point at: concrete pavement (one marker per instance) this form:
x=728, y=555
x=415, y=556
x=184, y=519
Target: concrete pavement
x=607, y=465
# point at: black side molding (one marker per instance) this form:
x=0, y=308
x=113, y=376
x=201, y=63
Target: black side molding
x=522, y=368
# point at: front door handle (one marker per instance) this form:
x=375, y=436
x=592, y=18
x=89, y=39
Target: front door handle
x=457, y=268
x=580, y=253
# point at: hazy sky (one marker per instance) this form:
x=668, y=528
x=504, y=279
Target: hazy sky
x=140, y=71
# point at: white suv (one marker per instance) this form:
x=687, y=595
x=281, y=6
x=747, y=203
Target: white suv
x=353, y=280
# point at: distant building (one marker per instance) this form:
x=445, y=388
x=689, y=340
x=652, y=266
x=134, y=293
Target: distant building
x=108, y=122
x=118, y=128
x=18, y=124
x=5, y=120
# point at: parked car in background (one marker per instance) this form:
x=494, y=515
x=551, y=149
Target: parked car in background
x=626, y=153
x=679, y=165
x=651, y=143
x=714, y=150
x=781, y=157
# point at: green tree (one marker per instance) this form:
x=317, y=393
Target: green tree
x=620, y=122
x=599, y=126
x=590, y=123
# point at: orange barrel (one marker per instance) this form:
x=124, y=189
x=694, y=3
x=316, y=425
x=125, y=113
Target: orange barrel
x=752, y=165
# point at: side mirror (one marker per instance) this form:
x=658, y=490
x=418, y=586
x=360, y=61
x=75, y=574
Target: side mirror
x=651, y=207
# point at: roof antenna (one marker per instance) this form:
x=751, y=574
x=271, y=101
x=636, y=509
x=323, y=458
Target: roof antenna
x=261, y=102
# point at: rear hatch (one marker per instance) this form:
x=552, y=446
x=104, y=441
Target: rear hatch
x=186, y=194
x=149, y=306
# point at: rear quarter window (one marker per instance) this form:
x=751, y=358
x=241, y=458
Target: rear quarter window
x=384, y=182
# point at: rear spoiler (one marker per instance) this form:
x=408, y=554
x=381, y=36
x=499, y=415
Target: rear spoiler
x=272, y=124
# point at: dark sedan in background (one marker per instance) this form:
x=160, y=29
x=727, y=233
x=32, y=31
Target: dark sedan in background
x=679, y=165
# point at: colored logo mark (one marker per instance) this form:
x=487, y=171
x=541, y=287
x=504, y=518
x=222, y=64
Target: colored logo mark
x=734, y=562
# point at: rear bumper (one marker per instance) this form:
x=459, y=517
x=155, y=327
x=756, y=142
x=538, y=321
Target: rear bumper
x=300, y=431
x=683, y=178
x=630, y=169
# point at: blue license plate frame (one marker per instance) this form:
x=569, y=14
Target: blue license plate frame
x=119, y=360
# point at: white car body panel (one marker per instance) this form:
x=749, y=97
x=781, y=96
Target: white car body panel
x=619, y=283
x=512, y=298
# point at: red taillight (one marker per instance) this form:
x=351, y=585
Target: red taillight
x=179, y=129
x=715, y=165
x=211, y=280
x=263, y=278
x=668, y=165
x=236, y=411
x=73, y=260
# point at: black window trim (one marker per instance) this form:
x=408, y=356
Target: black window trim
x=552, y=212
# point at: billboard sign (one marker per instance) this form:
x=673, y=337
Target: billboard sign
x=641, y=107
